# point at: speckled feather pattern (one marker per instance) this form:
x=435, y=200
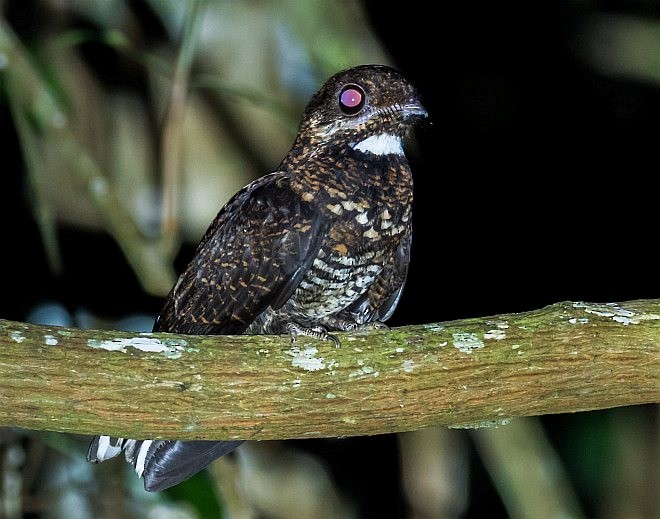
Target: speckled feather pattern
x=322, y=244
x=325, y=240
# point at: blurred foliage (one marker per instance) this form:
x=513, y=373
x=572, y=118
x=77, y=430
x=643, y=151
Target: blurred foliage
x=94, y=86
x=199, y=491
x=90, y=86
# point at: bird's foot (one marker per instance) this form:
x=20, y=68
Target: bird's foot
x=351, y=326
x=318, y=332
x=373, y=325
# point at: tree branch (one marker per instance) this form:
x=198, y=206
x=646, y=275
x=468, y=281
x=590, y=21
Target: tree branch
x=567, y=357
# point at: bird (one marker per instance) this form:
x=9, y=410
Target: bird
x=320, y=245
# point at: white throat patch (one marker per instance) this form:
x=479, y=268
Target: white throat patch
x=382, y=144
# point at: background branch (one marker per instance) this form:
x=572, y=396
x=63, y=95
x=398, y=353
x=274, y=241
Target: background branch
x=563, y=358
x=33, y=99
x=170, y=139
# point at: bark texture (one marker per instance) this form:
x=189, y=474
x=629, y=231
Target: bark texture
x=567, y=357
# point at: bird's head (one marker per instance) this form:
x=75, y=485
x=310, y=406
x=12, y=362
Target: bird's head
x=370, y=107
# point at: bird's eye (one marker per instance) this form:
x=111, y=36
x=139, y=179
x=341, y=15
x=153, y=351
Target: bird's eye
x=351, y=99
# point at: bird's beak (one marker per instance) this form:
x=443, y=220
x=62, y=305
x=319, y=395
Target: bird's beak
x=414, y=109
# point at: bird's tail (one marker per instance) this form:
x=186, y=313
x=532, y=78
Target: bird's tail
x=162, y=463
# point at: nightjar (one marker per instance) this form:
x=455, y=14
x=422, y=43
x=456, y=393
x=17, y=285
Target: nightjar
x=320, y=245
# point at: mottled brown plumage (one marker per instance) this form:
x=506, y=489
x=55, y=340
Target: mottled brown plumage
x=322, y=244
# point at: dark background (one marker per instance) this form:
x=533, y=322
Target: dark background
x=534, y=181
x=534, y=184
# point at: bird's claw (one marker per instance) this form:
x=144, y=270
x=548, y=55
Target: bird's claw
x=318, y=332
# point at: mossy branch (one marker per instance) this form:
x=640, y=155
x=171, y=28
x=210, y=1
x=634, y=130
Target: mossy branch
x=564, y=358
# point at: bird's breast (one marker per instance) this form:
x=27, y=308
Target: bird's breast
x=357, y=248
x=367, y=203
x=334, y=281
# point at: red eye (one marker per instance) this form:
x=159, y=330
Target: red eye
x=351, y=99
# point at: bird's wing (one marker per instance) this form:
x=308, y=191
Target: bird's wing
x=398, y=278
x=253, y=255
